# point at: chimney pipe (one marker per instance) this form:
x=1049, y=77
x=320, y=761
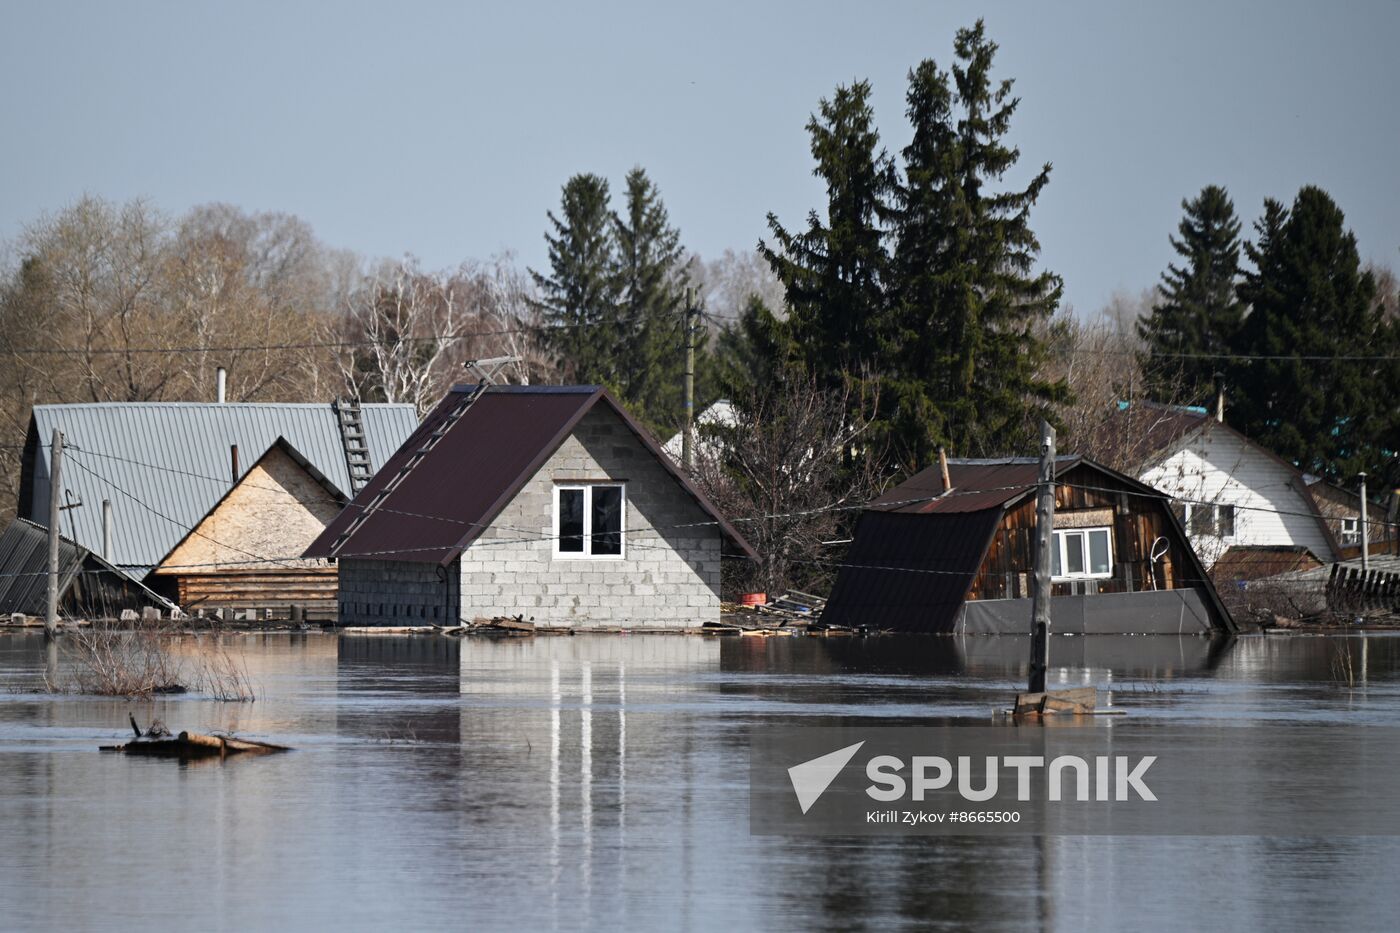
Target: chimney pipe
x=943, y=468
x=233, y=458
x=222, y=379
x=1220, y=398
x=107, y=530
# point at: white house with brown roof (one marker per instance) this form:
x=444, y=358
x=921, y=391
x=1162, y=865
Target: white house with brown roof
x=548, y=502
x=1229, y=491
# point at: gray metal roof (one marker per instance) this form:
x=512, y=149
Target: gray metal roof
x=24, y=581
x=24, y=567
x=163, y=465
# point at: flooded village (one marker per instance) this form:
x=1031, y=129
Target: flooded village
x=836, y=542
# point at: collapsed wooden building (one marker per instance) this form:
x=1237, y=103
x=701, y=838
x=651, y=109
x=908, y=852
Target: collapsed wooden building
x=930, y=556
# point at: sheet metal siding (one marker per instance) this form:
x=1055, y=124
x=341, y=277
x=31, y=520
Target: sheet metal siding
x=910, y=573
x=191, y=438
x=24, y=568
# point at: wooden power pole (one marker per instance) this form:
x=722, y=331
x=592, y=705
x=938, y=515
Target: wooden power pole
x=1044, y=541
x=55, y=491
x=688, y=426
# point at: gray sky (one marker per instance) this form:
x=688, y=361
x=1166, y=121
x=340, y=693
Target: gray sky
x=447, y=129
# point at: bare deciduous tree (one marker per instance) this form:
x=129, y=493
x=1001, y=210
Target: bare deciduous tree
x=792, y=472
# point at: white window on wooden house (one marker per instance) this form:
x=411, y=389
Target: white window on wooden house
x=1082, y=554
x=1351, y=531
x=589, y=520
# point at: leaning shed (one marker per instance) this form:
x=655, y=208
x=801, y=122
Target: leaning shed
x=88, y=586
x=549, y=502
x=245, y=553
x=930, y=558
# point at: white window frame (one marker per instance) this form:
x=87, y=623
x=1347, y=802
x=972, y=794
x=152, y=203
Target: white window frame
x=1189, y=507
x=1350, y=535
x=587, y=489
x=1061, y=534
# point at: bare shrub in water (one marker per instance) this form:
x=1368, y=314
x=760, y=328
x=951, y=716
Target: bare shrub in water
x=109, y=659
x=224, y=677
x=114, y=659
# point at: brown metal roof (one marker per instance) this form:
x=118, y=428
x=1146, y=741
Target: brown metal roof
x=485, y=457
x=1251, y=562
x=977, y=485
x=1140, y=433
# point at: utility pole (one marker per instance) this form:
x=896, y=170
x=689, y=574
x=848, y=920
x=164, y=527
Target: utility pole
x=1365, y=530
x=1044, y=541
x=692, y=313
x=55, y=491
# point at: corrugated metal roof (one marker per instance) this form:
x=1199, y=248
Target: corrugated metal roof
x=482, y=460
x=977, y=485
x=910, y=572
x=24, y=567
x=174, y=458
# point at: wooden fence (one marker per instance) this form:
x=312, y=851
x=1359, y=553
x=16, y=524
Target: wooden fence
x=1350, y=589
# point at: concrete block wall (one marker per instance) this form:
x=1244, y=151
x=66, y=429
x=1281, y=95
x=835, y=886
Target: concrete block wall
x=388, y=592
x=668, y=576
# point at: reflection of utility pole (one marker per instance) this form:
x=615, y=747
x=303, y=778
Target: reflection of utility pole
x=692, y=315
x=1365, y=530
x=55, y=485
x=1044, y=540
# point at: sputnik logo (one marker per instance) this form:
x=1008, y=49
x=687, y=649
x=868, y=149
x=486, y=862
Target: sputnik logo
x=811, y=778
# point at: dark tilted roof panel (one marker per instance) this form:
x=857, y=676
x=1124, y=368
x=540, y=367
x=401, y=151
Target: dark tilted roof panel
x=910, y=572
x=449, y=498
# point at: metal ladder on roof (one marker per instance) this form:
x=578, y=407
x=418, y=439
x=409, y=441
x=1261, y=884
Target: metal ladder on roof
x=486, y=372
x=352, y=439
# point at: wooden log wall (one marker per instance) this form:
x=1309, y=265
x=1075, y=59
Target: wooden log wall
x=267, y=589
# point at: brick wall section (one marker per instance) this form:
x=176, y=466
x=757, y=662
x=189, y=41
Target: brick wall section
x=669, y=576
x=385, y=592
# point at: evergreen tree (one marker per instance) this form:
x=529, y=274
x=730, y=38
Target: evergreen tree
x=653, y=291
x=578, y=299
x=1198, y=311
x=968, y=305
x=1312, y=389
x=754, y=351
x=833, y=272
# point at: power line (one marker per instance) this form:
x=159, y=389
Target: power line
x=250, y=348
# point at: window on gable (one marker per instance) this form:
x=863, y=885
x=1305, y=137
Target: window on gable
x=589, y=520
x=1351, y=531
x=1216, y=521
x=1082, y=554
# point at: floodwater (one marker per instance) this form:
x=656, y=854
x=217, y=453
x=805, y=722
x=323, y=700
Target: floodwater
x=601, y=782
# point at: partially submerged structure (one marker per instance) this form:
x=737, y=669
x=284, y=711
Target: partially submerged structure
x=278, y=507
x=930, y=557
x=204, y=489
x=549, y=502
x=88, y=586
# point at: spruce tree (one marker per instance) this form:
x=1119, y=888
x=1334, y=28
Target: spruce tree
x=1195, y=321
x=653, y=292
x=578, y=299
x=833, y=272
x=1309, y=386
x=968, y=303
